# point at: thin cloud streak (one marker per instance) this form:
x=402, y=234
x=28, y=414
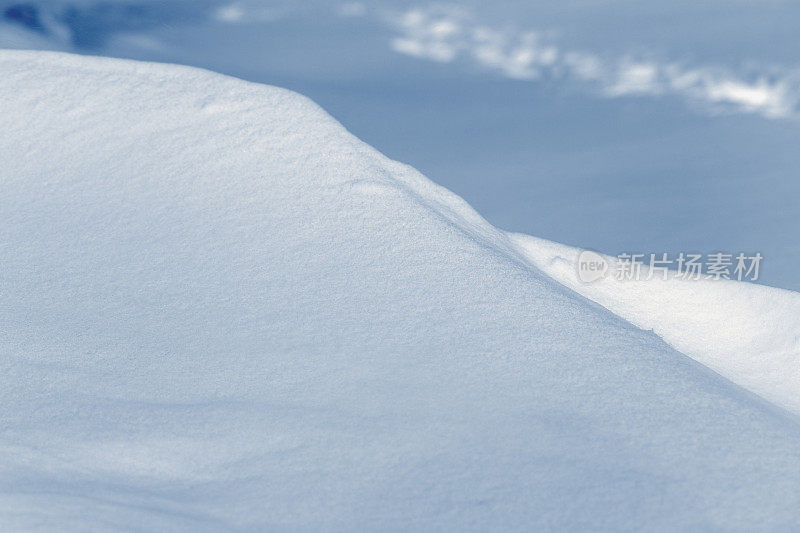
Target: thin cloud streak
x=448, y=34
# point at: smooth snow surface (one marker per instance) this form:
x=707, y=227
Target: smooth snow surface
x=219, y=310
x=748, y=333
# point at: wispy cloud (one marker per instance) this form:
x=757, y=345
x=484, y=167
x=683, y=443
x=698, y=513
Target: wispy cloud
x=447, y=34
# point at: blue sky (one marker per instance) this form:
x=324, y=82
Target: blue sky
x=613, y=125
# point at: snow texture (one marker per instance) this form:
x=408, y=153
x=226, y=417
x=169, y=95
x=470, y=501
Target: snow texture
x=220, y=311
x=748, y=333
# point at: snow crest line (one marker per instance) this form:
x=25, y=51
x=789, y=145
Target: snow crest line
x=748, y=333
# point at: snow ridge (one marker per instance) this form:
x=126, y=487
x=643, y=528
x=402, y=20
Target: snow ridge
x=219, y=310
x=748, y=333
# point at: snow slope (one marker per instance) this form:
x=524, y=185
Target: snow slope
x=629, y=140
x=219, y=311
x=748, y=333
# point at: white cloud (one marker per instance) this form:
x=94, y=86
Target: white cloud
x=772, y=99
x=445, y=34
x=635, y=78
x=352, y=9
x=433, y=36
x=520, y=57
x=583, y=66
x=230, y=13
x=245, y=11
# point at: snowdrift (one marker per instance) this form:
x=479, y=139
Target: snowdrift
x=219, y=310
x=748, y=333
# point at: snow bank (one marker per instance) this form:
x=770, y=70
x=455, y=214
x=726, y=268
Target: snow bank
x=219, y=310
x=748, y=333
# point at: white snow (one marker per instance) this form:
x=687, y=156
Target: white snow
x=219, y=310
x=748, y=333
